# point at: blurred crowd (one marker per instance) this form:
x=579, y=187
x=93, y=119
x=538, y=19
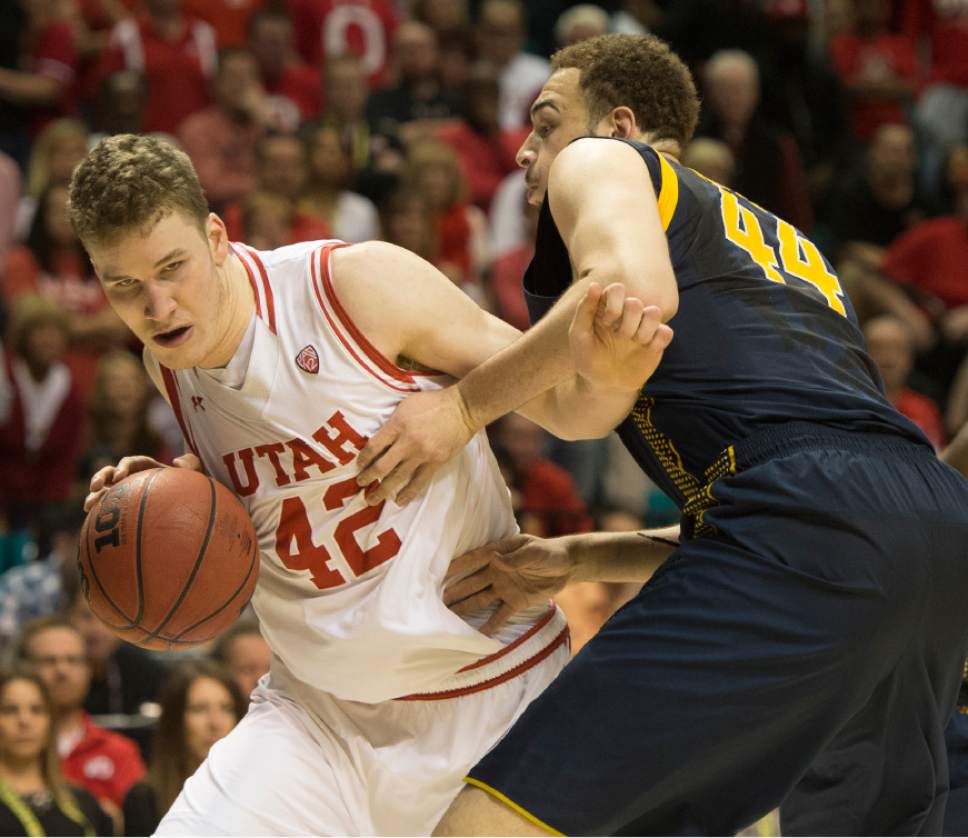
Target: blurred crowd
x=363, y=119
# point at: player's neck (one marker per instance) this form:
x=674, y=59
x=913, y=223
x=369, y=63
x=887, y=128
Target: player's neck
x=239, y=309
x=666, y=146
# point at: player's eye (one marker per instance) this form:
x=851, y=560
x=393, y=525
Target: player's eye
x=171, y=267
x=543, y=130
x=125, y=283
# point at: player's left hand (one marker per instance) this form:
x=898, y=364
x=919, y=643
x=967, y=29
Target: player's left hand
x=514, y=574
x=616, y=341
x=425, y=431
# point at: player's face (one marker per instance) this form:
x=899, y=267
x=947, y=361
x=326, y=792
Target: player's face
x=558, y=116
x=24, y=721
x=169, y=288
x=209, y=715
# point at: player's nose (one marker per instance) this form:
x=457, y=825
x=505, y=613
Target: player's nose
x=159, y=303
x=526, y=154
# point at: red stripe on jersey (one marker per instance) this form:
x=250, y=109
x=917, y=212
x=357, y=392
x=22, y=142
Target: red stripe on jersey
x=171, y=385
x=531, y=632
x=255, y=288
x=323, y=253
x=263, y=274
x=524, y=666
x=371, y=351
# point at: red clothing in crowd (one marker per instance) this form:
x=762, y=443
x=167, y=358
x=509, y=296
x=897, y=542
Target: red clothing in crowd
x=932, y=255
x=486, y=161
x=105, y=763
x=507, y=272
x=549, y=493
x=43, y=468
x=454, y=239
x=946, y=24
x=229, y=18
x=334, y=27
x=924, y=413
x=222, y=150
x=53, y=54
x=302, y=228
x=177, y=72
x=294, y=97
x=856, y=58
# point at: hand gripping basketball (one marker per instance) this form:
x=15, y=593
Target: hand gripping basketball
x=106, y=477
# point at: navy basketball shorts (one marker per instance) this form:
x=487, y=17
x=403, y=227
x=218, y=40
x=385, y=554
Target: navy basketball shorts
x=811, y=645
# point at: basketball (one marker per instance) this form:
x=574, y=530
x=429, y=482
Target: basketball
x=168, y=558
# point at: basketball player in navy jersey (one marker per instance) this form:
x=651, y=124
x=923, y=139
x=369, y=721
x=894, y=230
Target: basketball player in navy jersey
x=803, y=644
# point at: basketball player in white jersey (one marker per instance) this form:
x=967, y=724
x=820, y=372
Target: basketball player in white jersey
x=279, y=366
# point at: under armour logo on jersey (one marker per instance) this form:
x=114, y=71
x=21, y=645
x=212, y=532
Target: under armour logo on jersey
x=197, y=403
x=308, y=359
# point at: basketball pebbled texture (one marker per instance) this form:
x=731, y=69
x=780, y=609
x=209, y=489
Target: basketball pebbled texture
x=168, y=558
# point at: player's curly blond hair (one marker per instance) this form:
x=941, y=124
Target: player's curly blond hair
x=129, y=182
x=640, y=72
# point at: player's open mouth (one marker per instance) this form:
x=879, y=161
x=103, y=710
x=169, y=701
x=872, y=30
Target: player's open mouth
x=175, y=337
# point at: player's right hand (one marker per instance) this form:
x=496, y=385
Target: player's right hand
x=106, y=477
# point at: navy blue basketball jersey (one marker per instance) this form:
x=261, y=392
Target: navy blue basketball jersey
x=764, y=335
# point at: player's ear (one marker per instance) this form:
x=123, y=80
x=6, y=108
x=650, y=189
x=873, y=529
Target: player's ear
x=218, y=238
x=622, y=123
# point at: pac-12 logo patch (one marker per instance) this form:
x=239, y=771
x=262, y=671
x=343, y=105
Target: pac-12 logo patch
x=308, y=359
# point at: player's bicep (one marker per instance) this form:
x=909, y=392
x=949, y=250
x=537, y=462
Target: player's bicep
x=606, y=209
x=406, y=307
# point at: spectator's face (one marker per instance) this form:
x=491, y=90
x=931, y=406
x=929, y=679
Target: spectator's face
x=65, y=154
x=889, y=346
x=125, y=386
x=346, y=90
x=408, y=225
x=248, y=660
x=956, y=170
x=732, y=91
x=24, y=722
x=892, y=150
x=871, y=15
x=558, y=116
x=500, y=34
x=268, y=226
x=329, y=163
x=237, y=81
x=209, y=715
x=271, y=44
x=60, y=659
x=163, y=8
x=282, y=168
x=521, y=439
x=443, y=15
x=57, y=218
x=416, y=51
x=482, y=104
x=436, y=182
x=46, y=344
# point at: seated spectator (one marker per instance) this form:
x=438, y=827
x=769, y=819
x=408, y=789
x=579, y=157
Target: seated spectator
x=124, y=678
x=890, y=346
x=176, y=54
x=292, y=87
x=416, y=100
x=445, y=17
x=118, y=410
x=244, y=653
x=486, y=151
x=200, y=703
x=507, y=276
x=54, y=154
x=768, y=166
x=505, y=219
x=712, y=159
x=876, y=66
x=120, y=104
x=10, y=185
x=38, y=589
x=406, y=221
x=229, y=18
x=34, y=799
x=461, y=228
x=579, y=23
x=267, y=220
x=349, y=215
x=106, y=764
x=41, y=435
x=547, y=492
x=54, y=264
x=501, y=31
x=221, y=139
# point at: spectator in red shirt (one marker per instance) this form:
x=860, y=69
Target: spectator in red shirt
x=221, y=139
x=292, y=87
x=41, y=431
x=176, y=54
x=486, y=151
x=876, y=67
x=507, y=276
x=547, y=493
x=107, y=764
x=891, y=348
x=336, y=27
x=229, y=18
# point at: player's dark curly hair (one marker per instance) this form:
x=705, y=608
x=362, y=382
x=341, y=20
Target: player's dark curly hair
x=130, y=182
x=640, y=72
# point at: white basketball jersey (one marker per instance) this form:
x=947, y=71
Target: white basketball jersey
x=349, y=595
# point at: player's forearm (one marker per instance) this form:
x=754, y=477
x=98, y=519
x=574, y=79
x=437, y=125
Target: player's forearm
x=575, y=409
x=534, y=364
x=620, y=556
x=956, y=454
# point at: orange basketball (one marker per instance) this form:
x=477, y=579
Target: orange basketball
x=168, y=558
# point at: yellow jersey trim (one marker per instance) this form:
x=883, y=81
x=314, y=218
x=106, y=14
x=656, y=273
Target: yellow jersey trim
x=668, y=193
x=524, y=813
